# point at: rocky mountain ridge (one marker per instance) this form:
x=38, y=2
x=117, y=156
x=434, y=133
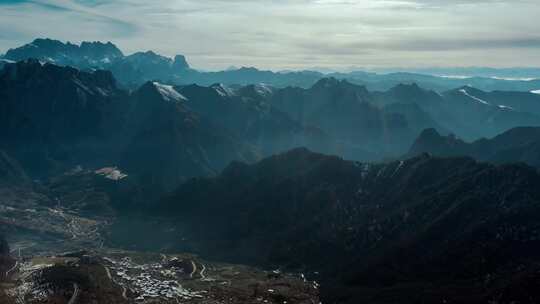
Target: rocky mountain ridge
x=382, y=232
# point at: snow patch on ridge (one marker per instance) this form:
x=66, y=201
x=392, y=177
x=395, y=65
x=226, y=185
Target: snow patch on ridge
x=263, y=89
x=455, y=76
x=505, y=107
x=168, y=92
x=398, y=167
x=473, y=97
x=223, y=90
x=111, y=173
x=513, y=78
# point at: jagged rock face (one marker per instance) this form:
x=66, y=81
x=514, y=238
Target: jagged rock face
x=515, y=145
x=144, y=66
x=134, y=69
x=165, y=131
x=52, y=115
x=88, y=54
x=180, y=63
x=382, y=226
x=67, y=53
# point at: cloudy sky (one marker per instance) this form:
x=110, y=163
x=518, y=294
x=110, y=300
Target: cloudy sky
x=292, y=34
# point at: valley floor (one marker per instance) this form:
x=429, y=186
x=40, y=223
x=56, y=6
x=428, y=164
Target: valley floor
x=60, y=256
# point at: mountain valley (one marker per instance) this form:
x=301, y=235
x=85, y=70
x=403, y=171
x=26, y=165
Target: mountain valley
x=139, y=179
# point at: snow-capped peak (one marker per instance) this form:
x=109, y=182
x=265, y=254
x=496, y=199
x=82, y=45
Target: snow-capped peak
x=168, y=92
x=505, y=107
x=223, y=90
x=111, y=173
x=473, y=97
x=263, y=89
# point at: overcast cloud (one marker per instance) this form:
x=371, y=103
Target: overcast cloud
x=293, y=34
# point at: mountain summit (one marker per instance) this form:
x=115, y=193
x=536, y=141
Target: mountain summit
x=87, y=54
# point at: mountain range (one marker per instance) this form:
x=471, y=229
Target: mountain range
x=414, y=231
x=135, y=69
x=57, y=117
x=519, y=144
x=468, y=112
x=408, y=194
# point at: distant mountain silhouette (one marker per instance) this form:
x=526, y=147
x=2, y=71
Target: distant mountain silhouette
x=132, y=70
x=87, y=54
x=136, y=69
x=353, y=116
x=521, y=144
x=146, y=66
x=468, y=112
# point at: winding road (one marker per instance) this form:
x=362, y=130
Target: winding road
x=194, y=269
x=202, y=272
x=75, y=295
x=108, y=273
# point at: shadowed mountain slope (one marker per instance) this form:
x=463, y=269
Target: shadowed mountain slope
x=383, y=231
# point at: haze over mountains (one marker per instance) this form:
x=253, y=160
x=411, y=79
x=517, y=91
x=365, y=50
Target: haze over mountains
x=515, y=145
x=383, y=188
x=331, y=116
x=135, y=69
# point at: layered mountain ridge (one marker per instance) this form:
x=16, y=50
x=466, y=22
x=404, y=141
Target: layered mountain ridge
x=133, y=70
x=519, y=144
x=384, y=231
x=56, y=118
x=86, y=119
x=468, y=112
x=250, y=166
